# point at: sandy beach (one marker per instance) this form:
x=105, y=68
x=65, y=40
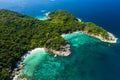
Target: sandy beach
x=112, y=38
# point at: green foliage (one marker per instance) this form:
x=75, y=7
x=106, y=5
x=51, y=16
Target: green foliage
x=20, y=33
x=4, y=74
x=94, y=29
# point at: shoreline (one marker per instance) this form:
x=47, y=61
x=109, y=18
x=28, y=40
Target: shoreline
x=112, y=38
x=47, y=15
x=41, y=18
x=17, y=75
x=63, y=51
x=79, y=19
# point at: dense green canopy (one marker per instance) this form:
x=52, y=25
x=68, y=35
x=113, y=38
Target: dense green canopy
x=20, y=33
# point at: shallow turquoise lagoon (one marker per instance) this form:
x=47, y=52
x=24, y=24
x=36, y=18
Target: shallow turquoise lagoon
x=90, y=59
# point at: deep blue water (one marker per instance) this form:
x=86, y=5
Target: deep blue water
x=92, y=60
x=105, y=13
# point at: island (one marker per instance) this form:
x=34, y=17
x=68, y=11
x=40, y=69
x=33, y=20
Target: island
x=20, y=33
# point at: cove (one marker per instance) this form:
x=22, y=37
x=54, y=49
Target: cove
x=90, y=59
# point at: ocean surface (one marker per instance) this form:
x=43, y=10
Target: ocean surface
x=90, y=58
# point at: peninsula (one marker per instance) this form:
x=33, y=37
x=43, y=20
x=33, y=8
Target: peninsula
x=21, y=33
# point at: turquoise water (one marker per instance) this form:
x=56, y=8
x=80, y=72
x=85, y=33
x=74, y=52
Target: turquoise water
x=41, y=17
x=32, y=61
x=90, y=59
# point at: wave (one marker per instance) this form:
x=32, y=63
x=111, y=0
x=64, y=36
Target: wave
x=33, y=57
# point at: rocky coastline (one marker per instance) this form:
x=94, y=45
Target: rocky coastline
x=47, y=15
x=63, y=51
x=111, y=38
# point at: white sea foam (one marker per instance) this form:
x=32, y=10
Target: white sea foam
x=98, y=37
x=115, y=41
x=16, y=77
x=33, y=56
x=42, y=50
x=79, y=19
x=44, y=16
x=37, y=50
